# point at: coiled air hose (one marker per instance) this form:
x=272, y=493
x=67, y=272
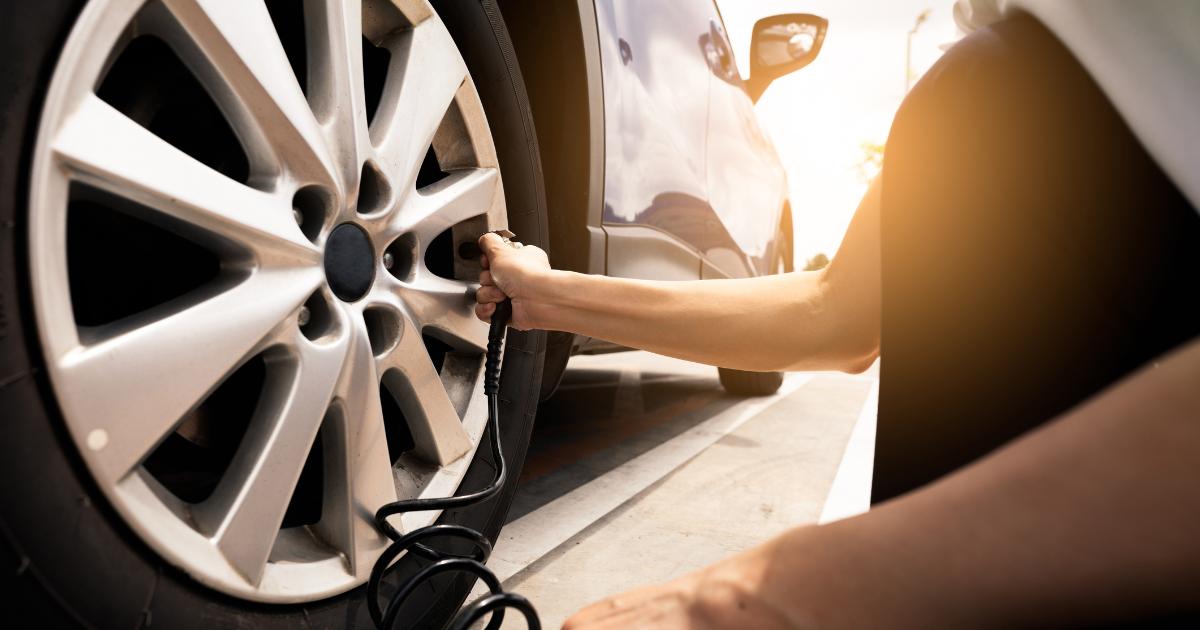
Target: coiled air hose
x=444, y=562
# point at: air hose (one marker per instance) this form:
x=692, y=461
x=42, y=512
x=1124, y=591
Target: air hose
x=444, y=562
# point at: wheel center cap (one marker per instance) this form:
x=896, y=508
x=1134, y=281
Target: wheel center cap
x=349, y=262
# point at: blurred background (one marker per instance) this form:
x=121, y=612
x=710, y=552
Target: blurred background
x=830, y=120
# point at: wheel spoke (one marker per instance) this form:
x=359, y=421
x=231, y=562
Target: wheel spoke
x=445, y=305
x=248, y=505
x=437, y=430
x=138, y=382
x=456, y=198
x=413, y=12
x=235, y=51
x=106, y=149
x=421, y=86
x=336, y=81
x=359, y=469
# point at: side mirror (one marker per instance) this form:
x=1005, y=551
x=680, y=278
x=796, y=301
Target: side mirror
x=783, y=44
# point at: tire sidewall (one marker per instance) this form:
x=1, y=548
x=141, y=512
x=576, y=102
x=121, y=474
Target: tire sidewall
x=73, y=561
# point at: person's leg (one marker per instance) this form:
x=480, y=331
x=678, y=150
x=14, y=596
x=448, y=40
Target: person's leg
x=1032, y=254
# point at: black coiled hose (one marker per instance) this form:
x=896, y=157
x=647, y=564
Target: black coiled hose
x=443, y=562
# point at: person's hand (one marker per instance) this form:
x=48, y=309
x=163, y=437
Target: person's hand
x=719, y=597
x=512, y=271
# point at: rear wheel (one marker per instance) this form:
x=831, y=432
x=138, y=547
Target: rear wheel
x=245, y=324
x=742, y=383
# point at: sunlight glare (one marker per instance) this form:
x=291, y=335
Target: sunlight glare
x=820, y=117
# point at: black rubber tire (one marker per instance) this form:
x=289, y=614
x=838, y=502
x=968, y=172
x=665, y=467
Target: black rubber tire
x=740, y=383
x=69, y=560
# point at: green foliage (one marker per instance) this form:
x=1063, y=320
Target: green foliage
x=820, y=261
x=871, y=160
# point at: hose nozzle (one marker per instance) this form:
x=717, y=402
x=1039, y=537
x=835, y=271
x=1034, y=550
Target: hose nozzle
x=491, y=366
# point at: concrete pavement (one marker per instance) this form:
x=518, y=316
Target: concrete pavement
x=642, y=469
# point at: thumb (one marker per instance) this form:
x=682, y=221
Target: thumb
x=491, y=243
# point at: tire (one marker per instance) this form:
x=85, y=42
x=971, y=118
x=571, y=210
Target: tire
x=558, y=353
x=73, y=561
x=740, y=383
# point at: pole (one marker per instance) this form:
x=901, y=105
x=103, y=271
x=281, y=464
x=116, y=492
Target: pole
x=921, y=17
x=908, y=63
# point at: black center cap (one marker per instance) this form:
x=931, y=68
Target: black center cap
x=349, y=262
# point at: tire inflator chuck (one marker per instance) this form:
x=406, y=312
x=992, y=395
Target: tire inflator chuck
x=441, y=561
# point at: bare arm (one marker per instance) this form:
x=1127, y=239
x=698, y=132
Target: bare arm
x=816, y=320
x=1090, y=519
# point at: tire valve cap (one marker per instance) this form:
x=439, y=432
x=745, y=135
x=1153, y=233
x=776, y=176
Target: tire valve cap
x=303, y=316
x=388, y=260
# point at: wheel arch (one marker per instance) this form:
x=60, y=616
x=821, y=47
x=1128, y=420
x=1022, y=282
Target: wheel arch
x=558, y=50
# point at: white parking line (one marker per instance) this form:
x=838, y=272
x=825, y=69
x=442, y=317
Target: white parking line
x=850, y=494
x=532, y=536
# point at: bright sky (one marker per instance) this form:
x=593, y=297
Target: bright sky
x=819, y=117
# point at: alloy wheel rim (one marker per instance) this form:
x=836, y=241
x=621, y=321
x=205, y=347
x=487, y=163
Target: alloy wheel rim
x=316, y=162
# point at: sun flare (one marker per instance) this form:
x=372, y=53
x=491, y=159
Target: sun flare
x=827, y=120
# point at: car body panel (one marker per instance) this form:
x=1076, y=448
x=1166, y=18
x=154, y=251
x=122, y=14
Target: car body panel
x=656, y=117
x=692, y=186
x=747, y=187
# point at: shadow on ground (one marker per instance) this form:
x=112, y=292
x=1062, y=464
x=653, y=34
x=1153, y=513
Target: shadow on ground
x=600, y=419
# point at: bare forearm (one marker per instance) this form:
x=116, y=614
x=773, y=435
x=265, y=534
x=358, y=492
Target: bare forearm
x=799, y=321
x=1089, y=519
x=820, y=320
x=784, y=322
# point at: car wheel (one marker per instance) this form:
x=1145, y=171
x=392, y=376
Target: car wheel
x=234, y=320
x=741, y=383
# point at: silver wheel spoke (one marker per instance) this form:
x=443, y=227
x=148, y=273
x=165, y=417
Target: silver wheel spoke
x=138, y=384
x=247, y=508
x=460, y=196
x=234, y=49
x=415, y=11
x=437, y=430
x=336, y=81
x=106, y=149
x=358, y=460
x=446, y=305
x=411, y=109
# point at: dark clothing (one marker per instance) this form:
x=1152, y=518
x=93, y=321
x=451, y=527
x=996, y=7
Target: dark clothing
x=1032, y=254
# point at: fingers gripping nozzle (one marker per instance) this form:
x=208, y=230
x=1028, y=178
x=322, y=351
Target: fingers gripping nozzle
x=491, y=367
x=469, y=250
x=503, y=312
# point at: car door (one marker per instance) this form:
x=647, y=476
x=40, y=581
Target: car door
x=747, y=187
x=656, y=82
